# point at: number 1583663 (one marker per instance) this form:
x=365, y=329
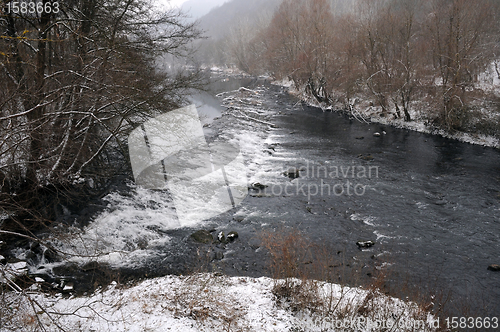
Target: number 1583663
x=32, y=7
x=471, y=322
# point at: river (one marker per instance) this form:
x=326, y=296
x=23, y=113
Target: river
x=431, y=205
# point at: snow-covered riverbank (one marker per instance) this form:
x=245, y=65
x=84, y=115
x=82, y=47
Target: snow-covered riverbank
x=206, y=302
x=363, y=110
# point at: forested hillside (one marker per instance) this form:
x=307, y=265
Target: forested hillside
x=231, y=27
x=441, y=56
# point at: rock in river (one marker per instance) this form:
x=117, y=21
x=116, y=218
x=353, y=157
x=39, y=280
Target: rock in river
x=90, y=266
x=292, y=173
x=494, y=267
x=365, y=244
x=231, y=236
x=221, y=237
x=367, y=158
x=257, y=186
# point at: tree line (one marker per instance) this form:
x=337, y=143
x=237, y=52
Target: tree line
x=395, y=52
x=73, y=83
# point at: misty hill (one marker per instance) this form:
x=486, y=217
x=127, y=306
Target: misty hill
x=235, y=22
x=229, y=15
x=198, y=8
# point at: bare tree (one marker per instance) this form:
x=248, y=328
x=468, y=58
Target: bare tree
x=460, y=33
x=75, y=80
x=284, y=37
x=396, y=60
x=245, y=46
x=319, y=22
x=299, y=41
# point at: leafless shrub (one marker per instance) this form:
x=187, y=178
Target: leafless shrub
x=325, y=301
x=205, y=299
x=73, y=84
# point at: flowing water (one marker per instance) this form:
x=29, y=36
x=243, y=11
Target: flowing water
x=431, y=205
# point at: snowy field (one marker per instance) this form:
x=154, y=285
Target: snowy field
x=206, y=302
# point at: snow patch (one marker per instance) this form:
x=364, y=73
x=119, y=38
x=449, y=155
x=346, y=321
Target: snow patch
x=368, y=220
x=207, y=302
x=11, y=271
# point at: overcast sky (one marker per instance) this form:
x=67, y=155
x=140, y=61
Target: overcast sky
x=176, y=3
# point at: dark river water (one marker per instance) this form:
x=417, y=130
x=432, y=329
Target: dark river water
x=431, y=205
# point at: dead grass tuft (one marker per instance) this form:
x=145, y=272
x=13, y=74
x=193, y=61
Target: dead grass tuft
x=204, y=298
x=294, y=263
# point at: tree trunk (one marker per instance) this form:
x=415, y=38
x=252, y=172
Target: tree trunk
x=34, y=100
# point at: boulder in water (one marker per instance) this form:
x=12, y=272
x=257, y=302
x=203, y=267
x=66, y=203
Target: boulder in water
x=291, y=173
x=494, y=267
x=231, y=236
x=365, y=244
x=257, y=186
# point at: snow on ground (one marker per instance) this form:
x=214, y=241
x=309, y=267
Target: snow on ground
x=206, y=302
x=490, y=79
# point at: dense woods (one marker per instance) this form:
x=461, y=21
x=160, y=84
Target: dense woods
x=393, y=52
x=73, y=83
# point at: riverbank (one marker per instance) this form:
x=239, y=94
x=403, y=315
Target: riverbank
x=212, y=303
x=421, y=116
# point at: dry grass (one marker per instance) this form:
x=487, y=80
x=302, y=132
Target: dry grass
x=309, y=279
x=201, y=298
x=204, y=299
